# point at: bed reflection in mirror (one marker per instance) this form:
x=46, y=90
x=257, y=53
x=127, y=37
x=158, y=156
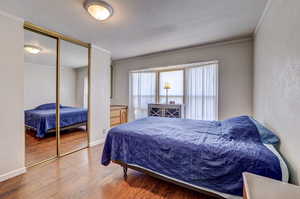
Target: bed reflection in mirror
x=39, y=97
x=73, y=97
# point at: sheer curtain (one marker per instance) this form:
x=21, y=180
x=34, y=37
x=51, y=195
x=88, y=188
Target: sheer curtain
x=201, y=92
x=142, y=92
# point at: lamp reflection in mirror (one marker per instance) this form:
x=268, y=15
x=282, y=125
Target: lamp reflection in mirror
x=32, y=49
x=167, y=87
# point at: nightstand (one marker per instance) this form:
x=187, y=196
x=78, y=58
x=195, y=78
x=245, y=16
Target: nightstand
x=258, y=187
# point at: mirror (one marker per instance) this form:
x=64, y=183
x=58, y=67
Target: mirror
x=39, y=97
x=73, y=97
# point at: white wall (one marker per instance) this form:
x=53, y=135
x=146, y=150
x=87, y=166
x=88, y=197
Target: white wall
x=277, y=77
x=68, y=87
x=40, y=85
x=235, y=73
x=81, y=74
x=100, y=95
x=12, y=147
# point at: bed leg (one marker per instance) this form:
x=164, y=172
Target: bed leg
x=125, y=172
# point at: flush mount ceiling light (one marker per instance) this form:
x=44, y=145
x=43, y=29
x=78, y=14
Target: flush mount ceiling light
x=32, y=49
x=100, y=10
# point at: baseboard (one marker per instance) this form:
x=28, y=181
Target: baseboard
x=97, y=142
x=102, y=140
x=12, y=174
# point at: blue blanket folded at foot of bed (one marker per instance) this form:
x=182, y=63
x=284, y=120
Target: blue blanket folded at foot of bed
x=209, y=154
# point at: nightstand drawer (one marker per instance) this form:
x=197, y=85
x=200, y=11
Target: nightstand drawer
x=115, y=121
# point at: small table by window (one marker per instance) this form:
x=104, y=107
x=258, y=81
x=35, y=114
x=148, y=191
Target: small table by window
x=166, y=110
x=258, y=187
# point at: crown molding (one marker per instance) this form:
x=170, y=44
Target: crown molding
x=101, y=49
x=263, y=16
x=235, y=40
x=15, y=18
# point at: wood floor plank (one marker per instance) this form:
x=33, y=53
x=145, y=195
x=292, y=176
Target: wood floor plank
x=81, y=176
x=39, y=149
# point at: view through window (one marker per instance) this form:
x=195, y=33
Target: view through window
x=175, y=80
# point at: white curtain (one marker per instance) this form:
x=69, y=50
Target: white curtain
x=142, y=93
x=201, y=92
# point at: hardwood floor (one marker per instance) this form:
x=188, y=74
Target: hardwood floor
x=81, y=176
x=38, y=149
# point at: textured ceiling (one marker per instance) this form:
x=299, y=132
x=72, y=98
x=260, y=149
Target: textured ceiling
x=144, y=26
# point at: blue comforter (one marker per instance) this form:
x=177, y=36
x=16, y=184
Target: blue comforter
x=43, y=118
x=210, y=154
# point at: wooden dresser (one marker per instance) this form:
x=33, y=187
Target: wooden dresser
x=118, y=115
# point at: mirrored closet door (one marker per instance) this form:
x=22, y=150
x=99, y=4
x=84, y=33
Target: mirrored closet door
x=73, y=97
x=40, y=57
x=56, y=94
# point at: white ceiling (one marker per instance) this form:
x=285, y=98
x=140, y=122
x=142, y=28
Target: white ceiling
x=72, y=55
x=144, y=26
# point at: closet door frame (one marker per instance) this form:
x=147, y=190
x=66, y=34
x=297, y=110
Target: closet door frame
x=59, y=37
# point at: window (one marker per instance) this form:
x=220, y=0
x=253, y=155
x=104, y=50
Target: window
x=201, y=99
x=175, y=79
x=194, y=85
x=143, y=92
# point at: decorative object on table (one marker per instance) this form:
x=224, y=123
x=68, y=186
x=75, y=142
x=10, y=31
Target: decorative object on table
x=172, y=102
x=167, y=87
x=166, y=110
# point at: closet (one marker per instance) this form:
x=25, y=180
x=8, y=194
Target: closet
x=56, y=94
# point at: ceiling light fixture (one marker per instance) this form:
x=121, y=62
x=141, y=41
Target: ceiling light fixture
x=100, y=10
x=32, y=49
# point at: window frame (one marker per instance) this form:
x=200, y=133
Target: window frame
x=158, y=73
x=183, y=67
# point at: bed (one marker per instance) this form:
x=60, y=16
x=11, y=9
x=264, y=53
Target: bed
x=206, y=156
x=42, y=119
